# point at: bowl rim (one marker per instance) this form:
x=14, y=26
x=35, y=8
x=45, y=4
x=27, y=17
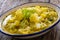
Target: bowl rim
x=24, y=35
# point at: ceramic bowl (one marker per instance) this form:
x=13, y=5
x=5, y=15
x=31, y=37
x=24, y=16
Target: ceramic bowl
x=3, y=15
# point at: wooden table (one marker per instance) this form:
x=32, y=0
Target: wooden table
x=54, y=34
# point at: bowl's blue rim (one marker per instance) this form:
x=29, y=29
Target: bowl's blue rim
x=36, y=32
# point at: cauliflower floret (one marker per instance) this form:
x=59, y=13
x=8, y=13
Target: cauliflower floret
x=23, y=31
x=17, y=23
x=43, y=15
x=12, y=19
x=30, y=8
x=38, y=25
x=37, y=7
x=43, y=25
x=44, y=9
x=53, y=13
x=34, y=17
x=19, y=14
x=27, y=28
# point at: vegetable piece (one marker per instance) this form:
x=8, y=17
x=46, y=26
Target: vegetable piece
x=37, y=7
x=27, y=12
x=34, y=18
x=23, y=31
x=17, y=23
x=19, y=14
x=43, y=15
x=24, y=24
x=44, y=9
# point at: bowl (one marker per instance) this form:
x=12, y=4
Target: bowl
x=3, y=15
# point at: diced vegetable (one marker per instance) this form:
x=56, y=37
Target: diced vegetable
x=34, y=18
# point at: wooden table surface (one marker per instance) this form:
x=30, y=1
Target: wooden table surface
x=54, y=34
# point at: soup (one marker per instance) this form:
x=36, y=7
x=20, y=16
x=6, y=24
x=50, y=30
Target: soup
x=28, y=20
